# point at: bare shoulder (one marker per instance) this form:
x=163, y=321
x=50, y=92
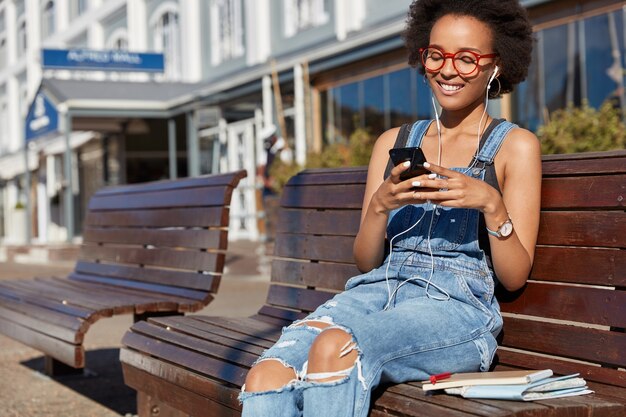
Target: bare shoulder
x=521, y=149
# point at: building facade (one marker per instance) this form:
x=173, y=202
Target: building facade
x=318, y=69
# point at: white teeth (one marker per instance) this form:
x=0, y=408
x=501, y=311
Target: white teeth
x=448, y=87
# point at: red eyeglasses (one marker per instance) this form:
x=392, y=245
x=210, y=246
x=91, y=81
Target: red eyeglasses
x=464, y=62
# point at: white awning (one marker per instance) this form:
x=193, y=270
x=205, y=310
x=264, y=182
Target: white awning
x=12, y=165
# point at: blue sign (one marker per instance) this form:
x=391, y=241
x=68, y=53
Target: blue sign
x=94, y=60
x=42, y=117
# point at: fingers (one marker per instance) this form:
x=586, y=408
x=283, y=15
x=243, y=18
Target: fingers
x=444, y=172
x=399, y=169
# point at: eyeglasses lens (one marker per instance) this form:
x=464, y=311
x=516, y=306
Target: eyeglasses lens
x=464, y=62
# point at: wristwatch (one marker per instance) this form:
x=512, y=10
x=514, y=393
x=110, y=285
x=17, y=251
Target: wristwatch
x=504, y=230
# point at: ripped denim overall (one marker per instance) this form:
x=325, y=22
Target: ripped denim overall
x=429, y=308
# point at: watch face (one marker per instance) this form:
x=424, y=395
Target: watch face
x=506, y=229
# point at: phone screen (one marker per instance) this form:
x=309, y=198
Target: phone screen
x=414, y=155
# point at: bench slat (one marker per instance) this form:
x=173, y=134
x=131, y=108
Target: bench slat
x=211, y=180
x=62, y=327
x=214, y=196
x=184, y=238
x=604, y=191
x=209, y=331
x=185, y=279
x=332, y=276
x=574, y=228
x=170, y=217
x=298, y=298
x=200, y=363
x=319, y=222
x=348, y=196
x=125, y=299
x=580, y=265
x=583, y=163
x=188, y=392
x=171, y=258
x=150, y=288
x=581, y=304
x=67, y=353
x=590, y=372
x=8, y=290
x=320, y=248
x=190, y=342
x=587, y=344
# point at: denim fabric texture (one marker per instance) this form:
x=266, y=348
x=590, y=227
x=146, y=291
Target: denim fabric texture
x=430, y=308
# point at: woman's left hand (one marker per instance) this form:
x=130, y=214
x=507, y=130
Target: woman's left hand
x=455, y=189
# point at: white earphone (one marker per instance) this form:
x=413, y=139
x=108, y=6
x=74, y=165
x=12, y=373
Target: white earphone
x=493, y=76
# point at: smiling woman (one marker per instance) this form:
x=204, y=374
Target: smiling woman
x=456, y=229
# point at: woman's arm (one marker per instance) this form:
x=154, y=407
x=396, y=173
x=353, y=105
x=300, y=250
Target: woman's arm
x=520, y=156
x=512, y=257
x=381, y=196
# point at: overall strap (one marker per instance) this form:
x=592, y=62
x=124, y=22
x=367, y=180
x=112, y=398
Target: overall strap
x=493, y=143
x=418, y=130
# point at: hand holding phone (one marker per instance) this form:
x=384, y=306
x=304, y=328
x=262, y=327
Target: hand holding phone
x=414, y=155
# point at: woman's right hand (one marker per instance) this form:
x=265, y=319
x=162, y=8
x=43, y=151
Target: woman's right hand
x=394, y=193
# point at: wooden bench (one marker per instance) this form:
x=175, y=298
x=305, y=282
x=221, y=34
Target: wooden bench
x=148, y=249
x=570, y=317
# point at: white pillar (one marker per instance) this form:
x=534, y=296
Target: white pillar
x=10, y=14
x=300, y=115
x=61, y=15
x=190, y=18
x=137, y=19
x=268, y=100
x=257, y=20
x=14, y=117
x=43, y=210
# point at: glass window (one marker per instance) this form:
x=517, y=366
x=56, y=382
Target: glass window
x=47, y=20
x=377, y=103
x=304, y=14
x=579, y=60
x=22, y=40
x=604, y=41
x=3, y=51
x=81, y=6
x=2, y=22
x=167, y=40
x=227, y=30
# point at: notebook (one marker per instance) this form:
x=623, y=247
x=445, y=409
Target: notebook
x=488, y=378
x=564, y=386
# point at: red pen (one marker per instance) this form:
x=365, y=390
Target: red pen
x=439, y=377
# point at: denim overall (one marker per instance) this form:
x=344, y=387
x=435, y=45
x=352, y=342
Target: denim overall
x=430, y=308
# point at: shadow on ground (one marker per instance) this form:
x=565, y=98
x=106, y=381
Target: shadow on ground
x=102, y=381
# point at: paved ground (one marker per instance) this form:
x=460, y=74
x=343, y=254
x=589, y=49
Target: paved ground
x=26, y=392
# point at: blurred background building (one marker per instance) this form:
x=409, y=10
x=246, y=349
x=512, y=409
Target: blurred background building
x=316, y=69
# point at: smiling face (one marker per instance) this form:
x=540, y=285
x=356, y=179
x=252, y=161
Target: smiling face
x=452, y=34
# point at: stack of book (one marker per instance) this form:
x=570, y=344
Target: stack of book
x=509, y=385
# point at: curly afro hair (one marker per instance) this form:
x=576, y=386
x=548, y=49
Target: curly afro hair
x=508, y=20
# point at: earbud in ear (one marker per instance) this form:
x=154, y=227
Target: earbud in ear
x=493, y=76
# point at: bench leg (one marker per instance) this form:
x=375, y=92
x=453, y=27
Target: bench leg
x=151, y=407
x=146, y=316
x=53, y=367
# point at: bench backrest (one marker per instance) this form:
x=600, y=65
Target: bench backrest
x=166, y=236
x=574, y=306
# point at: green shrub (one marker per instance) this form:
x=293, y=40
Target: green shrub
x=356, y=152
x=583, y=129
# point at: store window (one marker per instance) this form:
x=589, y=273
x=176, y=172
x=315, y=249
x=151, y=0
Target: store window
x=47, y=19
x=118, y=40
x=377, y=103
x=3, y=41
x=581, y=60
x=166, y=30
x=227, y=30
x=301, y=15
x=22, y=40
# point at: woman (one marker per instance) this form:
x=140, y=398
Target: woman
x=428, y=306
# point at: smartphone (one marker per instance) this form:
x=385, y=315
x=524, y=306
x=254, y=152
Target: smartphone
x=415, y=156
